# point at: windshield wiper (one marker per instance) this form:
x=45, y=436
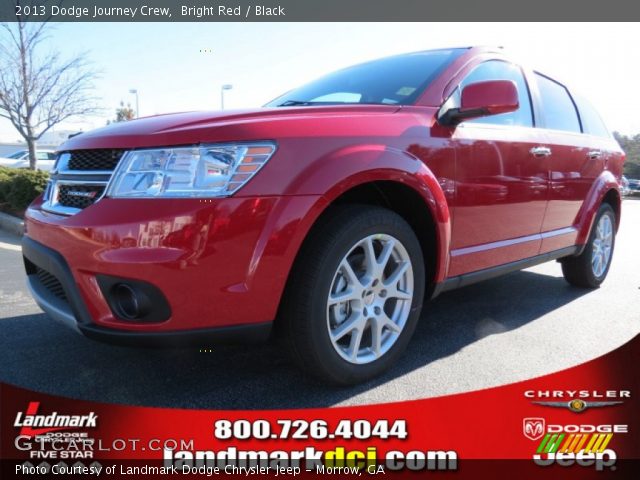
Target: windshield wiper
x=291, y=103
x=295, y=103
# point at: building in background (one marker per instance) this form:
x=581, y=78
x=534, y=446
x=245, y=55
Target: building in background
x=49, y=141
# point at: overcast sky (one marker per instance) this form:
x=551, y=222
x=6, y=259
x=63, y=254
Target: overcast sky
x=180, y=66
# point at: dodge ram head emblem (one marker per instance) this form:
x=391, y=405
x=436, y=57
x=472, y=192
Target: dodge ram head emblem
x=533, y=428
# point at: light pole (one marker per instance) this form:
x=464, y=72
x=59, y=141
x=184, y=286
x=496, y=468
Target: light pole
x=222, y=89
x=135, y=92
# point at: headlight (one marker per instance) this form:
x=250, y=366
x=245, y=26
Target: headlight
x=202, y=171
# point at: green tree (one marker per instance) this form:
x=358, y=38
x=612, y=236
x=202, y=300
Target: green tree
x=631, y=146
x=125, y=113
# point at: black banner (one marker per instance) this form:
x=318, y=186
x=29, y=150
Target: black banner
x=314, y=11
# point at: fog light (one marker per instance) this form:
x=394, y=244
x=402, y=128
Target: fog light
x=134, y=300
x=130, y=303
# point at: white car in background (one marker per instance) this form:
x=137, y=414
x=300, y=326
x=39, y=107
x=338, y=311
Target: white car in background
x=20, y=159
x=624, y=186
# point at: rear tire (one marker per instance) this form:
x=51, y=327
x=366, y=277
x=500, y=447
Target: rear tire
x=354, y=295
x=590, y=268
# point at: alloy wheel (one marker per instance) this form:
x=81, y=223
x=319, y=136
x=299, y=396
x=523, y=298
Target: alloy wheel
x=370, y=298
x=602, y=244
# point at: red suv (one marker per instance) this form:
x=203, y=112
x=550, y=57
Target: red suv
x=330, y=215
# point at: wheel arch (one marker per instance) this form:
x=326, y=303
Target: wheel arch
x=604, y=190
x=409, y=204
x=613, y=198
x=425, y=210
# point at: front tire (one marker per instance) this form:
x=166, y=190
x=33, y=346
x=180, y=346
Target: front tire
x=590, y=268
x=355, y=294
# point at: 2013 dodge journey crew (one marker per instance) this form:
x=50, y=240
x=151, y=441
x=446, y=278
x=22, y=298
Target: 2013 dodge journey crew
x=330, y=216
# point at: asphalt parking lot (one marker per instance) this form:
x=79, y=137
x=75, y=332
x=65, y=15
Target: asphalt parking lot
x=504, y=330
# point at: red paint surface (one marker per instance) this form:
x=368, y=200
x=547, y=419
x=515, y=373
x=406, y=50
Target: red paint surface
x=494, y=96
x=226, y=261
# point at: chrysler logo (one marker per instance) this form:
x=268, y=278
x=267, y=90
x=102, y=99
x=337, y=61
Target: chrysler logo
x=533, y=428
x=577, y=405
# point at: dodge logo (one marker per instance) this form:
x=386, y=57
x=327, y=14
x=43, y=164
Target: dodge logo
x=533, y=428
x=75, y=193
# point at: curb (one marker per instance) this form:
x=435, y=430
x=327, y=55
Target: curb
x=11, y=224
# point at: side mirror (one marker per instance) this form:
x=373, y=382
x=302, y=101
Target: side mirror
x=483, y=99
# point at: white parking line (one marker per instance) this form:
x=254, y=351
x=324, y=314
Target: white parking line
x=10, y=246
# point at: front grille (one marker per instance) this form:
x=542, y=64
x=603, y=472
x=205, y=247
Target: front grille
x=51, y=283
x=105, y=159
x=79, y=196
x=80, y=179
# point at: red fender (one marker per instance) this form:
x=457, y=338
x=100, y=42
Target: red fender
x=370, y=163
x=600, y=187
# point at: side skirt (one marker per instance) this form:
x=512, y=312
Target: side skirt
x=474, y=277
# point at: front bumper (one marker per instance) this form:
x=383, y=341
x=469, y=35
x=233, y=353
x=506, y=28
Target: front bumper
x=221, y=265
x=72, y=312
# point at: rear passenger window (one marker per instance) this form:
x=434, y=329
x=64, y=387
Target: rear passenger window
x=558, y=109
x=500, y=70
x=591, y=121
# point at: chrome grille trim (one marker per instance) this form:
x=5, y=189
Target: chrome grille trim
x=62, y=176
x=52, y=202
x=83, y=172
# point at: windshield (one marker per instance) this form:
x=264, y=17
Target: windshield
x=17, y=155
x=388, y=81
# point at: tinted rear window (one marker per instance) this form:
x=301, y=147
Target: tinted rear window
x=591, y=121
x=558, y=109
x=394, y=80
x=17, y=155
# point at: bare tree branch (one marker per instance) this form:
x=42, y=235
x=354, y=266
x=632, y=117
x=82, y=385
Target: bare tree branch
x=39, y=89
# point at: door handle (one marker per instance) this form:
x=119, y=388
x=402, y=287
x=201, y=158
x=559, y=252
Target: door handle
x=540, y=151
x=593, y=154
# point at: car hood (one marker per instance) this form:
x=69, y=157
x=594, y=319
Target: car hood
x=12, y=162
x=197, y=127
